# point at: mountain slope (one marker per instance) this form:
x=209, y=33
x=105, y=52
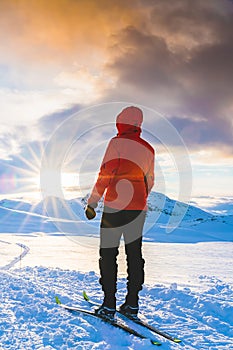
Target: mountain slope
x=167, y=220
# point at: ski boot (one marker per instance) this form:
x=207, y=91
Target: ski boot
x=106, y=312
x=129, y=311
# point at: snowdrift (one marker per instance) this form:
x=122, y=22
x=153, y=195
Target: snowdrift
x=30, y=319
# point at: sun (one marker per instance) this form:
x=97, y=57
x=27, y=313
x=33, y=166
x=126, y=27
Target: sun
x=69, y=180
x=28, y=180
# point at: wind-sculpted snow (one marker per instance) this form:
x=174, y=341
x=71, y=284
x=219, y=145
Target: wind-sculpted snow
x=30, y=319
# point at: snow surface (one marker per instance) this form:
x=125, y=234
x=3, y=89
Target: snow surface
x=188, y=290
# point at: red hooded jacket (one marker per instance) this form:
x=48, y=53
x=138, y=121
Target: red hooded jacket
x=127, y=172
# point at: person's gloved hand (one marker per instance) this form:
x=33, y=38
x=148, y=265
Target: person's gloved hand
x=90, y=212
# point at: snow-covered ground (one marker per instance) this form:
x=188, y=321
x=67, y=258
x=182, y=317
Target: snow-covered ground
x=188, y=290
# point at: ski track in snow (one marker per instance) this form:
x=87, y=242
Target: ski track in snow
x=30, y=319
x=17, y=258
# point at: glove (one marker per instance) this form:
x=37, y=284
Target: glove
x=90, y=212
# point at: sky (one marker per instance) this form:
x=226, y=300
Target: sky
x=65, y=62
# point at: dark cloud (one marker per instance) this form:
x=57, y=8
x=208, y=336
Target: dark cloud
x=198, y=21
x=144, y=59
x=182, y=64
x=174, y=56
x=200, y=132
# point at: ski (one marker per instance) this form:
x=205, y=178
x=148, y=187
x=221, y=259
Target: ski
x=114, y=323
x=153, y=329
x=140, y=322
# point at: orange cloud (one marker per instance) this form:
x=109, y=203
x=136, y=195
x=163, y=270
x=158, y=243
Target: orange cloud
x=57, y=29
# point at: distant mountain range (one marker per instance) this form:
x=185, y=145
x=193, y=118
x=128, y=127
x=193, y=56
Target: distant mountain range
x=167, y=220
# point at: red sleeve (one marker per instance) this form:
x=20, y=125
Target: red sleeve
x=107, y=171
x=150, y=175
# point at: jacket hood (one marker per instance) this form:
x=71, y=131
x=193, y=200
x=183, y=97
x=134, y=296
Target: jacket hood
x=129, y=121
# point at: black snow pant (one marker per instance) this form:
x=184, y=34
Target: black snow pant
x=114, y=224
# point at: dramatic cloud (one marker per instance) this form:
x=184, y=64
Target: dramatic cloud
x=60, y=56
x=60, y=30
x=175, y=56
x=53, y=54
x=182, y=65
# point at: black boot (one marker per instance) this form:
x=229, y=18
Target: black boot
x=132, y=298
x=106, y=312
x=108, y=308
x=109, y=301
x=129, y=311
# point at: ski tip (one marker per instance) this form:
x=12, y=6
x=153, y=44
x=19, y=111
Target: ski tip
x=154, y=342
x=57, y=300
x=85, y=296
x=176, y=340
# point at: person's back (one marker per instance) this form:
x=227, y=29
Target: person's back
x=125, y=179
x=127, y=170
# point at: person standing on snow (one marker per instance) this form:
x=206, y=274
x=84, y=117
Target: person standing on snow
x=126, y=177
